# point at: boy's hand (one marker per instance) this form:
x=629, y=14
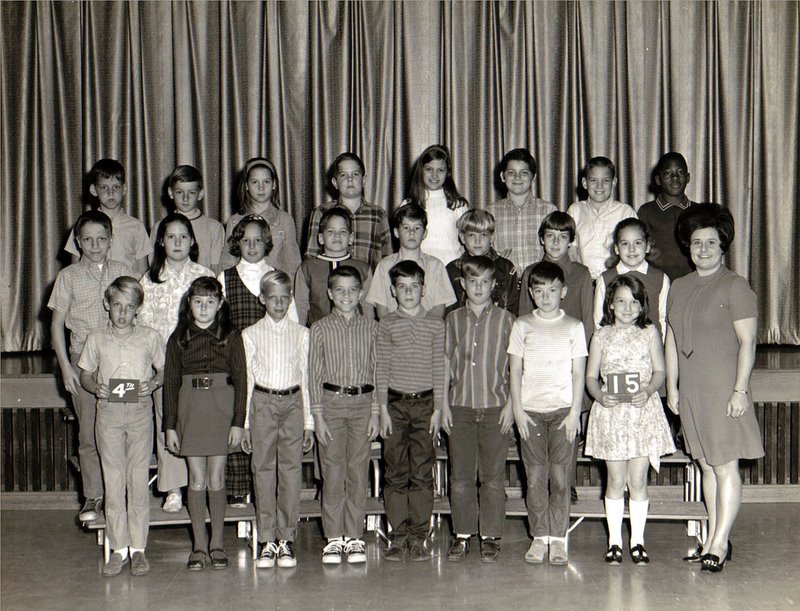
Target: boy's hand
x=441, y=419
x=173, y=445
x=386, y=422
x=571, y=425
x=235, y=436
x=147, y=387
x=506, y=419
x=609, y=400
x=672, y=400
x=72, y=381
x=374, y=426
x=523, y=419
x=247, y=444
x=101, y=391
x=321, y=430
x=308, y=440
x=640, y=398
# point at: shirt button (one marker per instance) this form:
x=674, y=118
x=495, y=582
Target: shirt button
x=473, y=364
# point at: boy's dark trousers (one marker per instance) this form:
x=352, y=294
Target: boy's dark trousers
x=410, y=458
x=478, y=451
x=547, y=454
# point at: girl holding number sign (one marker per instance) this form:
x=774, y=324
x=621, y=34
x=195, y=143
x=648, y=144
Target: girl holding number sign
x=627, y=425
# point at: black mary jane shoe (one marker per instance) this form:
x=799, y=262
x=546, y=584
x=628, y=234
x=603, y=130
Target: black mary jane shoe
x=696, y=555
x=219, y=559
x=712, y=562
x=639, y=554
x=613, y=555
x=197, y=561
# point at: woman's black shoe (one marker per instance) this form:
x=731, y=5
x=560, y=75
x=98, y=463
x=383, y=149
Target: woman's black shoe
x=713, y=564
x=639, y=554
x=613, y=555
x=696, y=555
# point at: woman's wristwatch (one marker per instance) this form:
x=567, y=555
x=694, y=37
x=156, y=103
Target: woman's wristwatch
x=741, y=392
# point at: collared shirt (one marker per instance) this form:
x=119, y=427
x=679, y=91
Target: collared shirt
x=506, y=288
x=250, y=274
x=311, y=286
x=547, y=347
x=210, y=236
x=342, y=352
x=621, y=268
x=277, y=358
x=285, y=253
x=476, y=346
x=129, y=240
x=133, y=356
x=517, y=228
x=661, y=218
x=411, y=355
x=371, y=238
x=162, y=301
x=78, y=292
x=204, y=354
x=438, y=290
x=595, y=229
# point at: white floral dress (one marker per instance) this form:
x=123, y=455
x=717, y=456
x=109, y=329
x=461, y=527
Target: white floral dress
x=625, y=431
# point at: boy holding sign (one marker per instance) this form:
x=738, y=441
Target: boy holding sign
x=121, y=364
x=547, y=357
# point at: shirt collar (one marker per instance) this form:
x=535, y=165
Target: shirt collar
x=89, y=265
x=683, y=204
x=422, y=313
x=340, y=204
x=642, y=268
x=537, y=316
x=277, y=326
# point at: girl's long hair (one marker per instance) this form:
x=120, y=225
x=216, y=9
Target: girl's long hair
x=418, y=193
x=222, y=326
x=245, y=206
x=639, y=293
x=160, y=253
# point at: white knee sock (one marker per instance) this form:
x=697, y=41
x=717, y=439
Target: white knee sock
x=614, y=510
x=638, y=512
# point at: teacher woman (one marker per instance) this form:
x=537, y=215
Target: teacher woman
x=710, y=352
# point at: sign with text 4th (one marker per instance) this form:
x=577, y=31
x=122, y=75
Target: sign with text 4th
x=123, y=390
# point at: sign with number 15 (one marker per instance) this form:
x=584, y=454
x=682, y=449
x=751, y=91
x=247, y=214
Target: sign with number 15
x=623, y=385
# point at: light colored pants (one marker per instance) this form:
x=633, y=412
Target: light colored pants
x=276, y=434
x=85, y=404
x=172, y=470
x=344, y=463
x=125, y=443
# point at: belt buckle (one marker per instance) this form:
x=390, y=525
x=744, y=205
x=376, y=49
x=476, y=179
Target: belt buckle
x=205, y=382
x=351, y=390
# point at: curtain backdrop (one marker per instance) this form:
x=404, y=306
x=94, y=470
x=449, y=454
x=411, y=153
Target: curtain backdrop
x=156, y=84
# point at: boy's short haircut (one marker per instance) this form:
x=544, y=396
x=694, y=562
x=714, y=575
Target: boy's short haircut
x=476, y=266
x=523, y=155
x=412, y=212
x=671, y=156
x=601, y=162
x=238, y=233
x=335, y=212
x=106, y=168
x=476, y=220
x=185, y=173
x=545, y=272
x=345, y=156
x=274, y=278
x=127, y=285
x=344, y=271
x=406, y=269
x=558, y=221
x=92, y=216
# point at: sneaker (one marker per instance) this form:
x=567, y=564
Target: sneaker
x=573, y=495
x=490, y=549
x=417, y=552
x=332, y=553
x=397, y=551
x=237, y=501
x=286, y=558
x=356, y=551
x=537, y=551
x=113, y=567
x=459, y=548
x=139, y=564
x=173, y=503
x=558, y=551
x=266, y=559
x=91, y=510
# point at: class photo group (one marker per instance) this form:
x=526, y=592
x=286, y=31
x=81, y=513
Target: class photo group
x=609, y=330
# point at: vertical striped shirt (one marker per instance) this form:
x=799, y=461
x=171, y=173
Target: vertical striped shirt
x=342, y=352
x=411, y=355
x=277, y=358
x=476, y=346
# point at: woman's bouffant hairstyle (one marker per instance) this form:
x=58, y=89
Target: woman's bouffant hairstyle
x=204, y=286
x=639, y=293
x=704, y=216
x=238, y=233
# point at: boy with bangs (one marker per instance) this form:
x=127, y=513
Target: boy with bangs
x=476, y=232
x=311, y=281
x=77, y=305
x=122, y=365
x=411, y=384
x=370, y=228
x=131, y=245
x=346, y=415
x=185, y=191
x=596, y=217
x=476, y=414
x=411, y=224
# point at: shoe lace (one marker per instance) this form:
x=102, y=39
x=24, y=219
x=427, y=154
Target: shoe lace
x=333, y=547
x=269, y=548
x=284, y=548
x=356, y=546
